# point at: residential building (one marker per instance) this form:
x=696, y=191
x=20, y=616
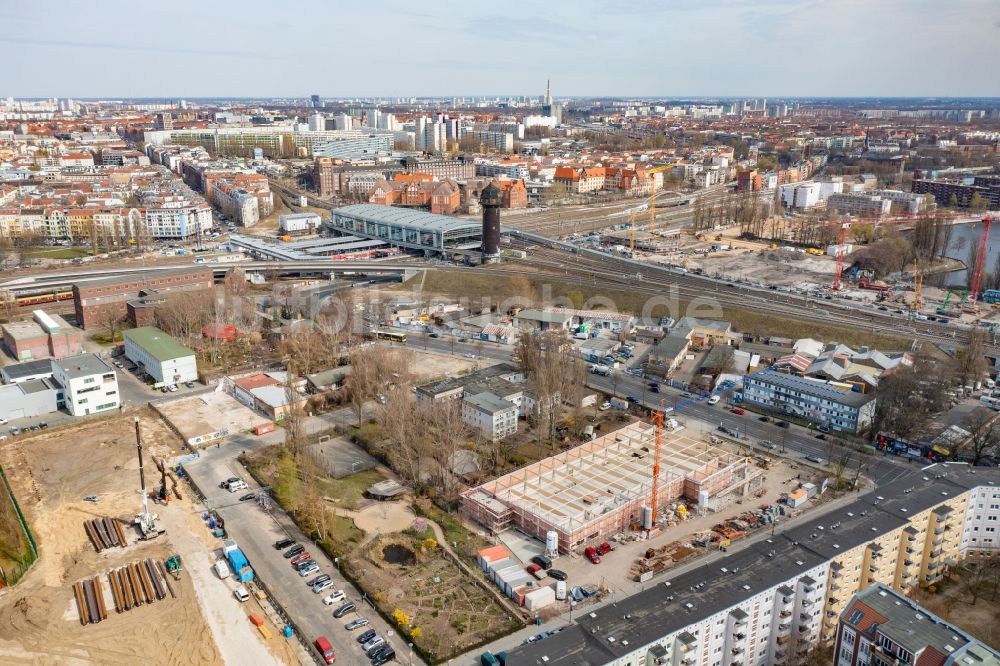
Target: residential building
x=490, y=378
x=860, y=205
x=495, y=417
x=800, y=195
x=96, y=300
x=502, y=141
x=880, y=627
x=770, y=603
x=817, y=401
x=160, y=356
x=957, y=193
x=90, y=385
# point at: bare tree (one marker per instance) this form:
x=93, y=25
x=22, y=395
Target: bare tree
x=110, y=320
x=183, y=314
x=984, y=434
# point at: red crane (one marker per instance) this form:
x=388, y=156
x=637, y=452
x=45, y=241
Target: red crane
x=977, y=270
x=841, y=251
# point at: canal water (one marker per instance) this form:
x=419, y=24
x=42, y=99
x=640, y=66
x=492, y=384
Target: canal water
x=963, y=237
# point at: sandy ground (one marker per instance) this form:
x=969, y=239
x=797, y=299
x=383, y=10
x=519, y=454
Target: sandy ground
x=207, y=413
x=381, y=518
x=428, y=365
x=39, y=623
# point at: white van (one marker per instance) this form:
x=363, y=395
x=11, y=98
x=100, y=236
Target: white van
x=241, y=594
x=221, y=569
x=238, y=484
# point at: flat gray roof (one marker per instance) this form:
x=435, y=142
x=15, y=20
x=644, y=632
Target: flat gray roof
x=83, y=365
x=405, y=218
x=28, y=368
x=812, y=387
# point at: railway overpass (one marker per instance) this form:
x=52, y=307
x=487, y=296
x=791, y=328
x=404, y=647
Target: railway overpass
x=29, y=284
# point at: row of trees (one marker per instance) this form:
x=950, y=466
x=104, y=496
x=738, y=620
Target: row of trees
x=744, y=208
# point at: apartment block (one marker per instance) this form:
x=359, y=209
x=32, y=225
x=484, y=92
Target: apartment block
x=820, y=402
x=492, y=415
x=882, y=627
x=773, y=601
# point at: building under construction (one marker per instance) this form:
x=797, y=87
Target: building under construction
x=604, y=487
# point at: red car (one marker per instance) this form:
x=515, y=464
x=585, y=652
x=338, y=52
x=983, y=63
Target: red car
x=739, y=411
x=604, y=548
x=592, y=555
x=301, y=557
x=325, y=649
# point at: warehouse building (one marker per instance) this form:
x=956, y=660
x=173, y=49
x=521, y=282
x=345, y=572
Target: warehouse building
x=96, y=300
x=160, y=356
x=30, y=398
x=43, y=337
x=599, y=488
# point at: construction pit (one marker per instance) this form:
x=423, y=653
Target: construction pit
x=65, y=477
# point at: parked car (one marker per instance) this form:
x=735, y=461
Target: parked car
x=542, y=561
x=366, y=636
x=304, y=564
x=241, y=594
x=297, y=549
x=605, y=406
x=604, y=548
x=767, y=444
x=375, y=641
x=739, y=411
x=309, y=570
x=301, y=557
x=322, y=578
x=781, y=424
x=248, y=497
x=284, y=543
x=325, y=649
x=356, y=623
x=814, y=459
x=344, y=610
x=557, y=574
x=383, y=657
x=319, y=588
x=714, y=400
x=189, y=384
x=334, y=597
x=591, y=554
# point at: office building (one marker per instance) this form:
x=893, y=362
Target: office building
x=354, y=144
x=314, y=101
x=823, y=403
x=160, y=356
x=492, y=415
x=881, y=627
x=859, y=205
x=956, y=193
x=90, y=385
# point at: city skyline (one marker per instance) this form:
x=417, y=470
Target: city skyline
x=886, y=48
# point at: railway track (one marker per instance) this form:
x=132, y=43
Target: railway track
x=581, y=270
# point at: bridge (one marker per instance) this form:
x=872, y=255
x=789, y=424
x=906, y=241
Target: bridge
x=66, y=279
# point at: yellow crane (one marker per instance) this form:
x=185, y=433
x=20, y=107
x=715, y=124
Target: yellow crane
x=631, y=233
x=918, y=286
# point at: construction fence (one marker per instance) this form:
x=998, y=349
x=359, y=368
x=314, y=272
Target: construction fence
x=12, y=573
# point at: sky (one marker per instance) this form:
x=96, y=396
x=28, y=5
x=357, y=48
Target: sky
x=669, y=48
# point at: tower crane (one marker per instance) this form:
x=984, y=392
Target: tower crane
x=655, y=488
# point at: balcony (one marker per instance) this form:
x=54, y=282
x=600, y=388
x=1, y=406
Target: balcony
x=932, y=566
x=834, y=600
x=835, y=587
x=785, y=614
x=737, y=650
x=803, y=628
x=937, y=552
x=806, y=603
x=739, y=637
x=908, y=563
x=939, y=531
x=781, y=640
x=805, y=617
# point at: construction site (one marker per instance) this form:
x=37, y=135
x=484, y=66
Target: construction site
x=626, y=481
x=124, y=574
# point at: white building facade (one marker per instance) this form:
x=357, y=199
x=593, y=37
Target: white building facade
x=90, y=386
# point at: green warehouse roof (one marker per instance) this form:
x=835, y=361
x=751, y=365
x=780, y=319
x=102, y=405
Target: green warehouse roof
x=160, y=346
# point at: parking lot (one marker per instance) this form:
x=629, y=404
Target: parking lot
x=256, y=532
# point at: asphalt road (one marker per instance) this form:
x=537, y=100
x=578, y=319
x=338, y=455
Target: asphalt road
x=256, y=531
x=797, y=441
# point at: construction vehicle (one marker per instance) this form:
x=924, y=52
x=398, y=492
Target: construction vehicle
x=174, y=566
x=944, y=309
x=144, y=521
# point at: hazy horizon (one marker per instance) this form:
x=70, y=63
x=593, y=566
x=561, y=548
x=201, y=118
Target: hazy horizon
x=676, y=49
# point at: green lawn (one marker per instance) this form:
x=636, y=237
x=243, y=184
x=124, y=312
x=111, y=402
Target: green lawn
x=62, y=252
x=350, y=489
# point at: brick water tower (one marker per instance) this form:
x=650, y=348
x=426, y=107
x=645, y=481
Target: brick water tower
x=490, y=201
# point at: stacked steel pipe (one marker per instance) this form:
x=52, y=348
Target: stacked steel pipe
x=105, y=533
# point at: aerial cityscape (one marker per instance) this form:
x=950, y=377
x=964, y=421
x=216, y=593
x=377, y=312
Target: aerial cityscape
x=562, y=335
